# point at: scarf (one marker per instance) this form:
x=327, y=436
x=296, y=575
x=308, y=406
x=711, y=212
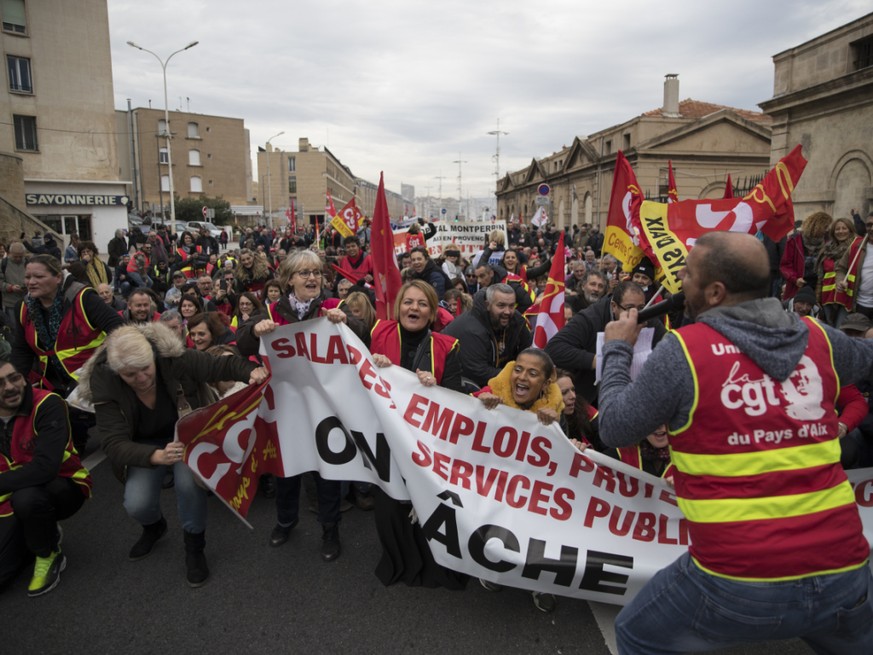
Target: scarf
x=47, y=330
x=550, y=396
x=96, y=273
x=651, y=454
x=301, y=308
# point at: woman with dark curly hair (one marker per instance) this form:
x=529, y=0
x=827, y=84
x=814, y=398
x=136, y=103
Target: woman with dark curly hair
x=95, y=270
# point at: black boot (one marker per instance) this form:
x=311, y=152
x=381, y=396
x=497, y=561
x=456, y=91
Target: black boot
x=150, y=535
x=330, y=543
x=195, y=560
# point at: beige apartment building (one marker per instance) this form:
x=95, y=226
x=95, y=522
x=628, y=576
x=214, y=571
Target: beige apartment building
x=210, y=156
x=305, y=178
x=58, y=117
x=823, y=99
x=705, y=142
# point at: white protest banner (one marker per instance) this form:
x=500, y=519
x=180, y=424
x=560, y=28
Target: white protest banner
x=499, y=495
x=469, y=238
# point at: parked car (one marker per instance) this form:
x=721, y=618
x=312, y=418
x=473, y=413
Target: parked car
x=196, y=226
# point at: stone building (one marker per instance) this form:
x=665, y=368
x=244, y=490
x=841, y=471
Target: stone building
x=58, y=117
x=823, y=99
x=210, y=157
x=705, y=142
x=306, y=177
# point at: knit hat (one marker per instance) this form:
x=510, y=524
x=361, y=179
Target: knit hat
x=856, y=322
x=646, y=268
x=805, y=294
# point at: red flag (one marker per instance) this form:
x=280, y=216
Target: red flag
x=228, y=446
x=672, y=193
x=549, y=309
x=621, y=238
x=728, y=188
x=293, y=218
x=386, y=276
x=329, y=208
x=669, y=231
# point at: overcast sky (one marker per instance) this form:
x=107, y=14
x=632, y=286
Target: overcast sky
x=409, y=86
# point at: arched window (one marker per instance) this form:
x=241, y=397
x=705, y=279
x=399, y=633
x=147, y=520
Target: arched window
x=193, y=158
x=193, y=131
x=165, y=182
x=196, y=184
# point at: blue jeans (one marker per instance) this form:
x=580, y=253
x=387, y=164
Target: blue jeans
x=683, y=609
x=142, y=496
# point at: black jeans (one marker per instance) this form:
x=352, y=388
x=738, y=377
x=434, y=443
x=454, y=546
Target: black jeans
x=288, y=500
x=38, y=509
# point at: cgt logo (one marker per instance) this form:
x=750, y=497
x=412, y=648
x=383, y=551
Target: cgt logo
x=801, y=394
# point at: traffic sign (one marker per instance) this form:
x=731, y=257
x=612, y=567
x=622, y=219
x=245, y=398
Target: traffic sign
x=544, y=189
x=205, y=211
x=443, y=211
x=541, y=201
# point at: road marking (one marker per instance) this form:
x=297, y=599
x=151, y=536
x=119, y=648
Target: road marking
x=605, y=616
x=92, y=460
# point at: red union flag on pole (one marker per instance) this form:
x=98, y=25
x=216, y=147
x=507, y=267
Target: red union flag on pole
x=549, y=309
x=672, y=192
x=728, y=188
x=386, y=275
x=621, y=238
x=670, y=231
x=229, y=446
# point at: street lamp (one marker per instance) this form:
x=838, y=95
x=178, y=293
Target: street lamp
x=163, y=63
x=270, y=181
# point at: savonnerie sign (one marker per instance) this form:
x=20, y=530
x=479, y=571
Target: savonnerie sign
x=75, y=199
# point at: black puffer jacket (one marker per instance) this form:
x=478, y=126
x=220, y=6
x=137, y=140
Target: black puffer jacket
x=481, y=355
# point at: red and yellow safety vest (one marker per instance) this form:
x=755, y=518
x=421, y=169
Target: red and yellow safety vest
x=21, y=452
x=76, y=341
x=631, y=455
x=852, y=273
x=385, y=340
x=758, y=472
x=512, y=277
x=830, y=295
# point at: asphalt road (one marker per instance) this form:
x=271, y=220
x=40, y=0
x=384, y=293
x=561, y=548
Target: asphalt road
x=274, y=600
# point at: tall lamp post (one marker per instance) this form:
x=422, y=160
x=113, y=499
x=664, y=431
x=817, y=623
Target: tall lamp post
x=270, y=181
x=163, y=63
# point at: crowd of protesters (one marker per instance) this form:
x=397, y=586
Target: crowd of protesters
x=138, y=333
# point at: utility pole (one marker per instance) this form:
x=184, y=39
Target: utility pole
x=497, y=134
x=440, y=177
x=460, y=162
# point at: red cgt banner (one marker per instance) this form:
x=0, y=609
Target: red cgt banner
x=228, y=446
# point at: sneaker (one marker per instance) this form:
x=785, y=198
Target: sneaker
x=46, y=574
x=544, y=602
x=490, y=586
x=148, y=539
x=281, y=533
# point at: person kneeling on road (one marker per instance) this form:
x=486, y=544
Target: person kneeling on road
x=42, y=480
x=141, y=381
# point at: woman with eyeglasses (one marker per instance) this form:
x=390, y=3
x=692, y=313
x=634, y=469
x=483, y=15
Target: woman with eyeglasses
x=301, y=277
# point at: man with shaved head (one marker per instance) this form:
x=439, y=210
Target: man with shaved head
x=747, y=393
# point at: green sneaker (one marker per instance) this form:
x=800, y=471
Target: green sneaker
x=46, y=574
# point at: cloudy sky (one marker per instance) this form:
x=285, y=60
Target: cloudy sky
x=408, y=87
